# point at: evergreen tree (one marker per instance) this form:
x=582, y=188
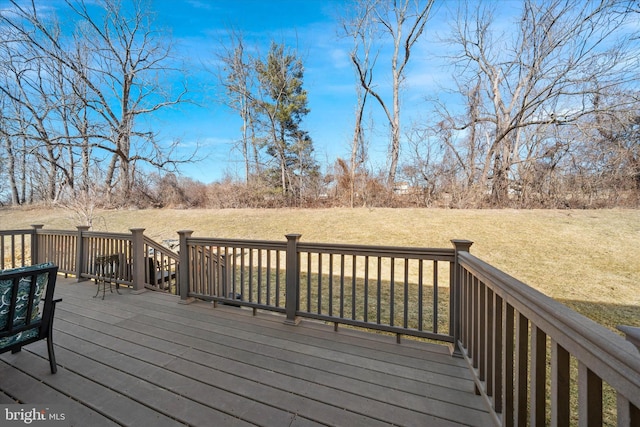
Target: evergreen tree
x=281, y=106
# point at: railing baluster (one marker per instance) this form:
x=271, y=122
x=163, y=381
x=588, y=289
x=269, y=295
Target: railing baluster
x=250, y=271
x=244, y=289
x=392, y=298
x=268, y=278
x=201, y=280
x=319, y=283
x=475, y=319
x=482, y=330
x=490, y=322
x=589, y=397
x=522, y=360
x=508, y=364
x=435, y=294
x=278, y=268
x=421, y=307
x=342, y=285
x=560, y=385
x=2, y=266
x=366, y=288
x=308, y=296
x=538, y=380
x=353, y=288
x=628, y=414
x=405, y=320
x=13, y=252
x=465, y=309
x=259, y=274
x=330, y=284
x=379, y=291
x=216, y=272
x=497, y=353
x=234, y=275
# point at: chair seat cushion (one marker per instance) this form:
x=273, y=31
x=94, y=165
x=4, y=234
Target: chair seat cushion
x=19, y=337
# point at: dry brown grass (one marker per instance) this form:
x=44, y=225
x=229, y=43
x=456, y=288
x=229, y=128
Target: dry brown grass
x=588, y=259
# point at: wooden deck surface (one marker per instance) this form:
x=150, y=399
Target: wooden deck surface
x=145, y=360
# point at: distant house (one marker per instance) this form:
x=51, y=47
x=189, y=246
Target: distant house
x=402, y=188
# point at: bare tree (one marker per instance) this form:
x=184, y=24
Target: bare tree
x=132, y=57
x=560, y=55
x=615, y=151
x=122, y=77
x=238, y=79
x=403, y=22
x=9, y=159
x=359, y=28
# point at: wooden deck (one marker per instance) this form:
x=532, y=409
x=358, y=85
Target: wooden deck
x=145, y=360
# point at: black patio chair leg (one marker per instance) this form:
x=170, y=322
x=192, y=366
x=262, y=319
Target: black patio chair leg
x=52, y=356
x=16, y=350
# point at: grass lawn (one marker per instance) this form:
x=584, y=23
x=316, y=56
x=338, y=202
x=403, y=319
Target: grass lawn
x=587, y=259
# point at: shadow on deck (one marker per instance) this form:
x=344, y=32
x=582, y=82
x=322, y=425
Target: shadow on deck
x=147, y=360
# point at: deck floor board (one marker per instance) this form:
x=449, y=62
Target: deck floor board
x=148, y=360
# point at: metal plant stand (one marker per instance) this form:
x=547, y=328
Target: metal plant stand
x=106, y=267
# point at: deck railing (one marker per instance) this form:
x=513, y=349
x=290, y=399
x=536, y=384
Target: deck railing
x=535, y=361
x=394, y=289
x=16, y=248
x=161, y=272
x=526, y=350
x=134, y=260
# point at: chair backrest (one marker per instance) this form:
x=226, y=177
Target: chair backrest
x=22, y=290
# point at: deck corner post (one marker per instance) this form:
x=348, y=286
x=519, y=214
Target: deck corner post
x=139, y=264
x=183, y=267
x=292, y=279
x=80, y=252
x=455, y=323
x=35, y=252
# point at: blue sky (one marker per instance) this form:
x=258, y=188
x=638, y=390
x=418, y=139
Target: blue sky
x=198, y=28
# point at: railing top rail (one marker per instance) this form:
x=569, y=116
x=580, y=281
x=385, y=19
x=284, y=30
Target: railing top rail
x=256, y=244
x=49, y=232
x=388, y=251
x=606, y=353
x=103, y=234
x=158, y=247
x=108, y=235
x=19, y=231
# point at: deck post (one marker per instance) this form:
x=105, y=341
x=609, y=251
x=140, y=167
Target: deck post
x=455, y=311
x=139, y=262
x=35, y=251
x=183, y=267
x=292, y=269
x=80, y=252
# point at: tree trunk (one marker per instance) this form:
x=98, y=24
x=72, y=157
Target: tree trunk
x=11, y=171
